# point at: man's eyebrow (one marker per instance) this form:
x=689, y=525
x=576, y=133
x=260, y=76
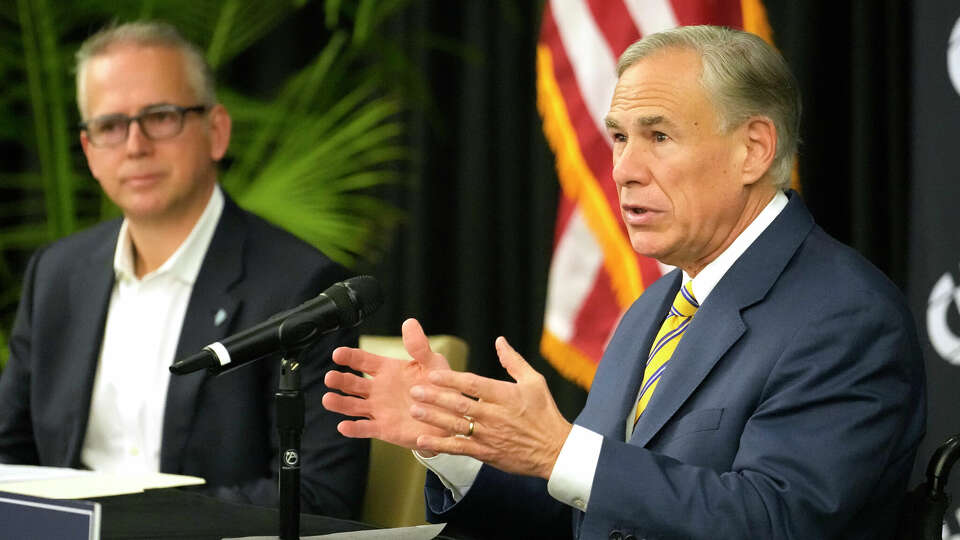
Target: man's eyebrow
x=643, y=121
x=647, y=121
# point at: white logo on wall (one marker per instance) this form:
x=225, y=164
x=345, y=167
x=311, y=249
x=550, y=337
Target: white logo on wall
x=944, y=296
x=946, y=533
x=953, y=56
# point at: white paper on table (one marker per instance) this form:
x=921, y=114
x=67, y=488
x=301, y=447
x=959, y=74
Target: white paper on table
x=419, y=532
x=63, y=483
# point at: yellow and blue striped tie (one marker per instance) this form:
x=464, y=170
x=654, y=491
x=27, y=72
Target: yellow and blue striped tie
x=676, y=323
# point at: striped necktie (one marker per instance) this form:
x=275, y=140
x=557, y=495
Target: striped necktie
x=676, y=323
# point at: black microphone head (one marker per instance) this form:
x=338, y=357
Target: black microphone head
x=356, y=299
x=205, y=359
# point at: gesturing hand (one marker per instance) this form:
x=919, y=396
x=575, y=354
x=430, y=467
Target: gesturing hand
x=384, y=399
x=516, y=426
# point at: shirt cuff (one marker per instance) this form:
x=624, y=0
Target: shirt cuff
x=572, y=476
x=456, y=472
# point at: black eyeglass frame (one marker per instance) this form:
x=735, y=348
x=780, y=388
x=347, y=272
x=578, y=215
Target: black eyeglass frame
x=127, y=120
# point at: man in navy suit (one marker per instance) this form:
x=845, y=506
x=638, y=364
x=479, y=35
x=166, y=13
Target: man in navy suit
x=105, y=312
x=794, y=401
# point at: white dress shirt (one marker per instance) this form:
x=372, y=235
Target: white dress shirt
x=144, y=320
x=572, y=476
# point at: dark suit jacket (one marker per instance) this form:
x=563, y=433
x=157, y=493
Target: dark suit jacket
x=220, y=428
x=791, y=409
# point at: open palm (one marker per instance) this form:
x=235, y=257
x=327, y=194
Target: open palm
x=382, y=400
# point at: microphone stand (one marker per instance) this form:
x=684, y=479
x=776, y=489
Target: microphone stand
x=342, y=305
x=290, y=416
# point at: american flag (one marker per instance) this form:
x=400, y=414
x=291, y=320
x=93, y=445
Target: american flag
x=595, y=275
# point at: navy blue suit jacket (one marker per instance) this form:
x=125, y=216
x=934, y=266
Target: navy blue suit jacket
x=220, y=428
x=791, y=409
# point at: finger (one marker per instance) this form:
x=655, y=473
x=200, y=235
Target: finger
x=453, y=401
x=482, y=388
x=450, y=423
x=348, y=383
x=418, y=346
x=345, y=405
x=358, y=360
x=358, y=429
x=510, y=359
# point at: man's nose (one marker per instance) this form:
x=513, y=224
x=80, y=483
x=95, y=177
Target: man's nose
x=137, y=141
x=631, y=165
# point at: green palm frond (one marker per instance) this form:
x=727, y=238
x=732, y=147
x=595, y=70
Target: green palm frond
x=226, y=27
x=308, y=171
x=47, y=94
x=4, y=350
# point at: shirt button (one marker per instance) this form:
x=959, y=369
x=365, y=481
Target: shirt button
x=134, y=451
x=579, y=503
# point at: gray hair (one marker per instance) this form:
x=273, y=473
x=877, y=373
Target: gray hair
x=743, y=77
x=147, y=34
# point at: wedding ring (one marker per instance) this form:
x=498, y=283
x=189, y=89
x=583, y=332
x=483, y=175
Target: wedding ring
x=470, y=430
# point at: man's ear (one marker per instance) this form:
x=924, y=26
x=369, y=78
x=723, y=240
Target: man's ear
x=87, y=148
x=85, y=144
x=760, y=135
x=220, y=125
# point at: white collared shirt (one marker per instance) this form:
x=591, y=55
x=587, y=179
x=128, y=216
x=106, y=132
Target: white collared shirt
x=144, y=319
x=572, y=477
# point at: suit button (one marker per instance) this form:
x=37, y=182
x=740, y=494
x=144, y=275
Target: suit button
x=615, y=535
x=629, y=537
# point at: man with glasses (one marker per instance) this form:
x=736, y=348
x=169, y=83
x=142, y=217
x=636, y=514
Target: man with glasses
x=105, y=312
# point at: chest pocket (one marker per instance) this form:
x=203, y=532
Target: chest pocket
x=692, y=422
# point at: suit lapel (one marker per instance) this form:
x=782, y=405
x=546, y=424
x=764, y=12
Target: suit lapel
x=210, y=317
x=718, y=324
x=90, y=288
x=701, y=347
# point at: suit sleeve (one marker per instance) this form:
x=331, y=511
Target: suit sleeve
x=836, y=422
x=16, y=430
x=499, y=505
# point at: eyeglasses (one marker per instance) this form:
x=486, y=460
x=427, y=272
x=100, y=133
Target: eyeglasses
x=156, y=122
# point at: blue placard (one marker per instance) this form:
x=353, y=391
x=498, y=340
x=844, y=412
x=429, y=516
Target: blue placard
x=23, y=516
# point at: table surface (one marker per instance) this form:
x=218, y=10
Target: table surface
x=178, y=514
x=183, y=515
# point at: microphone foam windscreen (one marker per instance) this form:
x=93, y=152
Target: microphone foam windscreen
x=366, y=292
x=355, y=298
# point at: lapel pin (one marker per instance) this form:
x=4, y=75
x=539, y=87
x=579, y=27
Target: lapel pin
x=219, y=317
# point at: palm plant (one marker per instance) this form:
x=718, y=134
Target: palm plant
x=305, y=159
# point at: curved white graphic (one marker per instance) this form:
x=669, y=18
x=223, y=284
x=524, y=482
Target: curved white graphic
x=953, y=56
x=945, y=294
x=946, y=533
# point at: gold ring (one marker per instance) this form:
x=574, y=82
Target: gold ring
x=470, y=430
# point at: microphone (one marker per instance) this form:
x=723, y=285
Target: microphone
x=342, y=305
